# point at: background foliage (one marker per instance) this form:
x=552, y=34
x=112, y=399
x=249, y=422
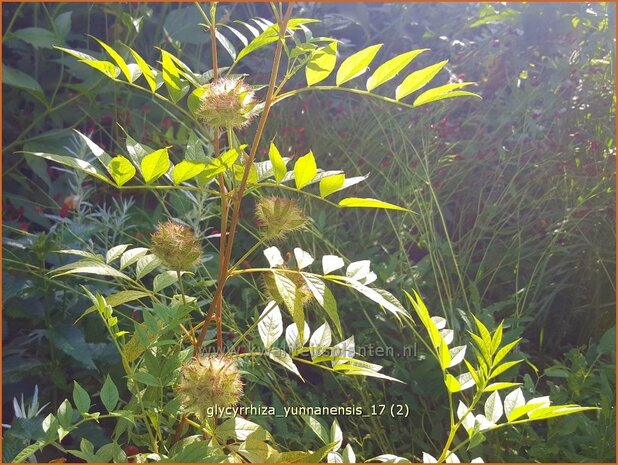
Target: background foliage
x=514, y=201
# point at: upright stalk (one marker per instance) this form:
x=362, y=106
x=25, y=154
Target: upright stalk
x=216, y=306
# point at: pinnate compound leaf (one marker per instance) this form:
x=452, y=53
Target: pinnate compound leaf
x=356, y=64
x=121, y=169
x=389, y=69
x=305, y=169
x=355, y=202
x=321, y=64
x=418, y=79
x=155, y=164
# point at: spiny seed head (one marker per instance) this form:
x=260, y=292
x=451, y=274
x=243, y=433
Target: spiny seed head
x=176, y=246
x=210, y=381
x=279, y=216
x=227, y=103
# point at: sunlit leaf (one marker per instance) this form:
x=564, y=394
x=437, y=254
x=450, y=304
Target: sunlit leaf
x=355, y=202
x=321, y=64
x=389, y=69
x=443, y=92
x=146, y=70
x=331, y=263
x=155, y=164
x=418, y=79
x=331, y=184
x=320, y=340
x=121, y=169
x=278, y=164
x=186, y=170
x=356, y=64
x=493, y=407
x=282, y=358
x=117, y=58
x=270, y=326
x=305, y=170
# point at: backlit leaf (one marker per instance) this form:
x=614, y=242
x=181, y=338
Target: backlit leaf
x=305, y=170
x=155, y=164
x=278, y=164
x=109, y=394
x=418, y=79
x=355, y=202
x=389, y=69
x=186, y=170
x=356, y=64
x=331, y=184
x=270, y=326
x=321, y=64
x=121, y=169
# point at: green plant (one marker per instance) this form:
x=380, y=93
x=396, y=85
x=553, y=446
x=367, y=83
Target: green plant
x=153, y=353
x=163, y=337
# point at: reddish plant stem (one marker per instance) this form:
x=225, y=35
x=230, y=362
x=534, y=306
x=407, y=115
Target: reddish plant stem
x=216, y=304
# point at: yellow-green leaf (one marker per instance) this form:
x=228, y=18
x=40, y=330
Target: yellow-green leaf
x=121, y=170
x=186, y=170
x=171, y=76
x=451, y=383
x=146, y=70
x=277, y=161
x=105, y=67
x=321, y=64
x=391, y=68
x=331, y=184
x=443, y=92
x=117, y=58
x=355, y=202
x=305, y=170
x=356, y=64
x=155, y=164
x=418, y=79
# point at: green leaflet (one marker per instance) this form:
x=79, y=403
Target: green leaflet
x=418, y=79
x=186, y=170
x=389, y=69
x=278, y=164
x=321, y=64
x=155, y=164
x=121, y=169
x=355, y=202
x=305, y=170
x=356, y=64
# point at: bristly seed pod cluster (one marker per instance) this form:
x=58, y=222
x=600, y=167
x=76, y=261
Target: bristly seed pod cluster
x=278, y=217
x=227, y=103
x=176, y=246
x=209, y=382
